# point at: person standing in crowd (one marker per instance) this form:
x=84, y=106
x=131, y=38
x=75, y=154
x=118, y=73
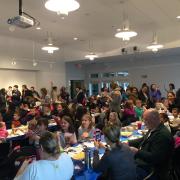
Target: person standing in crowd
x=115, y=99
x=34, y=92
x=9, y=95
x=144, y=96
x=53, y=164
x=25, y=93
x=16, y=96
x=155, y=94
x=64, y=95
x=44, y=98
x=80, y=97
x=171, y=88
x=171, y=97
x=54, y=94
x=2, y=100
x=153, y=152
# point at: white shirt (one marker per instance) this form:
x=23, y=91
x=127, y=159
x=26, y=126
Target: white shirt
x=61, y=169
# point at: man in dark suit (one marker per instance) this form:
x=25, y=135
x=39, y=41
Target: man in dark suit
x=153, y=152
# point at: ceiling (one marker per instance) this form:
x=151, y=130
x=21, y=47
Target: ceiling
x=95, y=21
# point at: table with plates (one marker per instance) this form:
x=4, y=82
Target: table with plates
x=20, y=132
x=77, y=152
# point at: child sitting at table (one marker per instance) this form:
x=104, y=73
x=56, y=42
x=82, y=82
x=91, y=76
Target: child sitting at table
x=3, y=131
x=165, y=120
x=175, y=123
x=16, y=120
x=46, y=111
x=33, y=113
x=139, y=109
x=86, y=130
x=36, y=129
x=113, y=119
x=128, y=113
x=67, y=136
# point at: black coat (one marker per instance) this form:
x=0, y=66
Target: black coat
x=117, y=164
x=155, y=151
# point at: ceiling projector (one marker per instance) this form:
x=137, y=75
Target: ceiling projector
x=21, y=21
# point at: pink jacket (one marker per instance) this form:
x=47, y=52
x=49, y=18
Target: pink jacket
x=3, y=132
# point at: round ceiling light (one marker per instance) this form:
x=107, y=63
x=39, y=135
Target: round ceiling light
x=155, y=47
x=62, y=6
x=125, y=35
x=50, y=49
x=91, y=56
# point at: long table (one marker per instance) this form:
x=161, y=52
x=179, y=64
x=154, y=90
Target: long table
x=21, y=132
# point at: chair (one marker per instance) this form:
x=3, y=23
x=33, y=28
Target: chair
x=12, y=163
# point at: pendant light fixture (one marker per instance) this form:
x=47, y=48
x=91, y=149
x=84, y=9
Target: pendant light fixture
x=154, y=46
x=13, y=61
x=34, y=63
x=62, y=7
x=50, y=48
x=91, y=56
x=126, y=33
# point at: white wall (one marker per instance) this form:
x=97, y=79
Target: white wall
x=24, y=73
x=10, y=77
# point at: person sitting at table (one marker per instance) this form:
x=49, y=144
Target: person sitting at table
x=171, y=97
x=91, y=104
x=57, y=109
x=86, y=130
x=23, y=109
x=153, y=152
x=67, y=136
x=34, y=133
x=16, y=120
x=53, y=164
x=175, y=113
x=113, y=119
x=175, y=123
x=118, y=161
x=128, y=113
x=3, y=131
x=33, y=113
x=139, y=109
x=46, y=111
x=165, y=120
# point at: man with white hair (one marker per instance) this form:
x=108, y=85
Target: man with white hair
x=154, y=150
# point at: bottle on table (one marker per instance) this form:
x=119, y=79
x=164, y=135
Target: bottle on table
x=87, y=152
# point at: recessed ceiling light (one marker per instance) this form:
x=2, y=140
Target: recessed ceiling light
x=178, y=17
x=38, y=28
x=75, y=38
x=13, y=63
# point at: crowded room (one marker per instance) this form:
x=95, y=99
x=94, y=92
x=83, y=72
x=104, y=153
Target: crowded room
x=89, y=90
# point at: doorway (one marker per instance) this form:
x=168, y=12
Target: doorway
x=74, y=84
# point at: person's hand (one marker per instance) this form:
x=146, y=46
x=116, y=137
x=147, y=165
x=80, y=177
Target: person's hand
x=23, y=166
x=134, y=150
x=99, y=144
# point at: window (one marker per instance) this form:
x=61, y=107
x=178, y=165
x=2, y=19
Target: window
x=109, y=75
x=94, y=75
x=122, y=74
